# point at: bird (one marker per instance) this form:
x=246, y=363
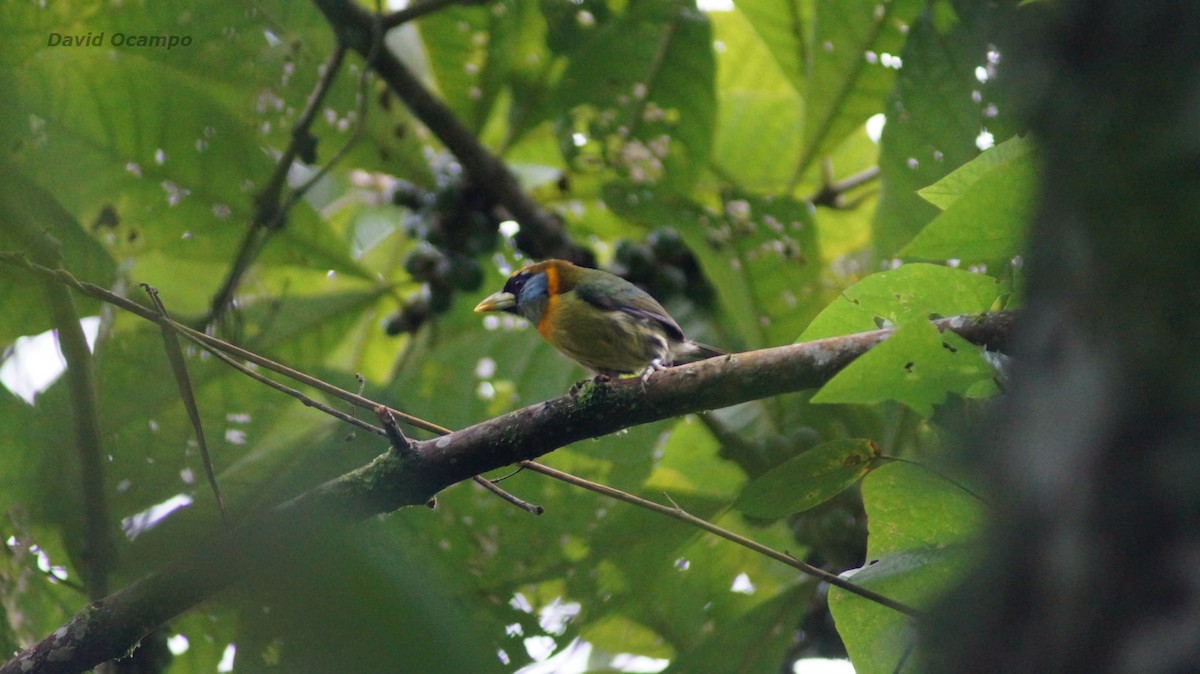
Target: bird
x=597, y=319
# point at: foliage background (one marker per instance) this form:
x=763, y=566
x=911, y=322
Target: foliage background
x=691, y=150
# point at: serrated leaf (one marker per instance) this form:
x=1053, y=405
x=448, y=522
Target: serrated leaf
x=808, y=479
x=911, y=292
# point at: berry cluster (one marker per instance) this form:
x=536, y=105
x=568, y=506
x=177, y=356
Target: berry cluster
x=664, y=266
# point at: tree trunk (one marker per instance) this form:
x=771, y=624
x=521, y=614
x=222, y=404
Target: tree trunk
x=1093, y=560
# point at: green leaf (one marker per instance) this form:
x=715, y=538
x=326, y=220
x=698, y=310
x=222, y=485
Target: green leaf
x=919, y=530
x=474, y=50
x=782, y=26
x=27, y=212
x=808, y=479
x=917, y=366
x=690, y=464
x=756, y=142
x=911, y=292
x=767, y=627
x=910, y=507
x=946, y=191
x=986, y=204
x=878, y=638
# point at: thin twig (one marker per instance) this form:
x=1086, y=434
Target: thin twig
x=684, y=516
x=186, y=394
x=287, y=390
x=96, y=292
x=498, y=491
x=395, y=436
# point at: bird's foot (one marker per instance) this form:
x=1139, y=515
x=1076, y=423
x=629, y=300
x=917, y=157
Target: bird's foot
x=654, y=366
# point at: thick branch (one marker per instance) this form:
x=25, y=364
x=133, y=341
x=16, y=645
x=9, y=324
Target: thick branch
x=109, y=628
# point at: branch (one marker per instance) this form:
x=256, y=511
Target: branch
x=108, y=628
x=831, y=193
x=541, y=234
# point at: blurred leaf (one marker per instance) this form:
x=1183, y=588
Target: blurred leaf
x=768, y=629
x=643, y=87
x=848, y=77
x=28, y=210
x=937, y=112
x=917, y=366
x=689, y=464
x=373, y=590
x=910, y=507
x=756, y=142
x=878, y=638
x=473, y=50
x=911, y=292
x=782, y=27
x=808, y=479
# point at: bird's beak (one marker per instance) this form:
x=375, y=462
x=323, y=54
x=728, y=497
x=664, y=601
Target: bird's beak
x=500, y=301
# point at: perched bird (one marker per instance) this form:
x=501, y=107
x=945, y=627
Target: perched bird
x=597, y=319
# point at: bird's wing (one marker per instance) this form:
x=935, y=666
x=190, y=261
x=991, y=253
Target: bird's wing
x=631, y=300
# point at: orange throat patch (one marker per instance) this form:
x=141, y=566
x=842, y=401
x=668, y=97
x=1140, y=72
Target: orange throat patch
x=543, y=324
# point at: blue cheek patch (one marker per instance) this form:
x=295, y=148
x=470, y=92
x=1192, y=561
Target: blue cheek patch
x=535, y=287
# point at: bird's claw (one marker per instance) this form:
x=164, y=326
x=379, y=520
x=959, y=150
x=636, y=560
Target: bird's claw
x=654, y=366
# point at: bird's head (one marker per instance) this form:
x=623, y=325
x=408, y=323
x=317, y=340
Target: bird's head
x=530, y=290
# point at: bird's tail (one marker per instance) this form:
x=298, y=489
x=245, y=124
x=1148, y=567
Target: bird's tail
x=690, y=352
